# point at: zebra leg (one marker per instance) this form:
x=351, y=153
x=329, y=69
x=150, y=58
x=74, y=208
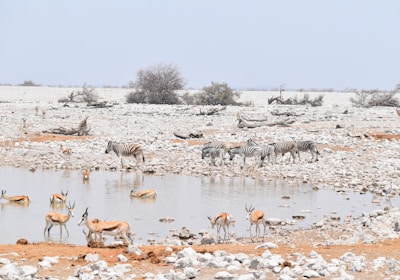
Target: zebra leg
x=293, y=156
x=122, y=161
x=212, y=161
x=137, y=157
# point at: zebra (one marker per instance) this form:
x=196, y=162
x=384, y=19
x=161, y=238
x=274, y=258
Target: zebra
x=308, y=145
x=250, y=142
x=215, y=144
x=121, y=150
x=284, y=147
x=266, y=151
x=213, y=153
x=246, y=151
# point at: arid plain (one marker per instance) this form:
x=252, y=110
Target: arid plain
x=359, y=153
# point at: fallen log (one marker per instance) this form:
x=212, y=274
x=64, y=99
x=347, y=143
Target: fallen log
x=211, y=111
x=241, y=116
x=188, y=136
x=288, y=114
x=103, y=104
x=246, y=124
x=81, y=130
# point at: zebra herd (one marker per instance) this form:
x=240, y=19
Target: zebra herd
x=270, y=151
x=217, y=149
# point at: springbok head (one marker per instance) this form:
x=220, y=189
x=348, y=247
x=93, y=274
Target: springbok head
x=249, y=210
x=71, y=208
x=212, y=221
x=86, y=174
x=84, y=217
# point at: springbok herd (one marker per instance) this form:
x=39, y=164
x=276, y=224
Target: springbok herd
x=121, y=229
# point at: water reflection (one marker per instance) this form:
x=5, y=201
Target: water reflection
x=182, y=200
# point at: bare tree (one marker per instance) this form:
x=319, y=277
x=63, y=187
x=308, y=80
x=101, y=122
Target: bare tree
x=156, y=85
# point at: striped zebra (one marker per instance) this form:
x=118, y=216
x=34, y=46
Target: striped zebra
x=267, y=151
x=285, y=147
x=245, y=152
x=215, y=144
x=305, y=146
x=126, y=150
x=213, y=153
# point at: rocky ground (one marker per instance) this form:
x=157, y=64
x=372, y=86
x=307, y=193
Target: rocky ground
x=359, y=153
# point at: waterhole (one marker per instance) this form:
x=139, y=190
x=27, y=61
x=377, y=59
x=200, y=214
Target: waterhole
x=184, y=199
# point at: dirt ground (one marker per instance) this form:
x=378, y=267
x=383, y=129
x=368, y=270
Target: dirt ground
x=153, y=259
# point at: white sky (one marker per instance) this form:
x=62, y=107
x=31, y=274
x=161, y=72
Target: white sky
x=257, y=44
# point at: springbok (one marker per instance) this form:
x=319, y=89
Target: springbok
x=16, y=198
x=53, y=218
x=255, y=217
x=54, y=198
x=98, y=228
x=144, y=194
x=65, y=151
x=91, y=236
x=223, y=220
x=85, y=175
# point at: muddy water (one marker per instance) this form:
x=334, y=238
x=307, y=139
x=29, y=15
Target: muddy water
x=188, y=200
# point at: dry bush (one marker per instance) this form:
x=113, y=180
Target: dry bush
x=371, y=98
x=29, y=83
x=217, y=94
x=87, y=95
x=317, y=101
x=156, y=85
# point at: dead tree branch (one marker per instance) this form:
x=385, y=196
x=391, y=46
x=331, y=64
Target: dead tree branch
x=102, y=104
x=242, y=116
x=211, y=111
x=81, y=130
x=288, y=114
x=251, y=124
x=188, y=136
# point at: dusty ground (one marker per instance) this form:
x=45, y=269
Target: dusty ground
x=72, y=256
x=153, y=259
x=304, y=241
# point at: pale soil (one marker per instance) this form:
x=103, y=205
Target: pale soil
x=304, y=241
x=153, y=260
